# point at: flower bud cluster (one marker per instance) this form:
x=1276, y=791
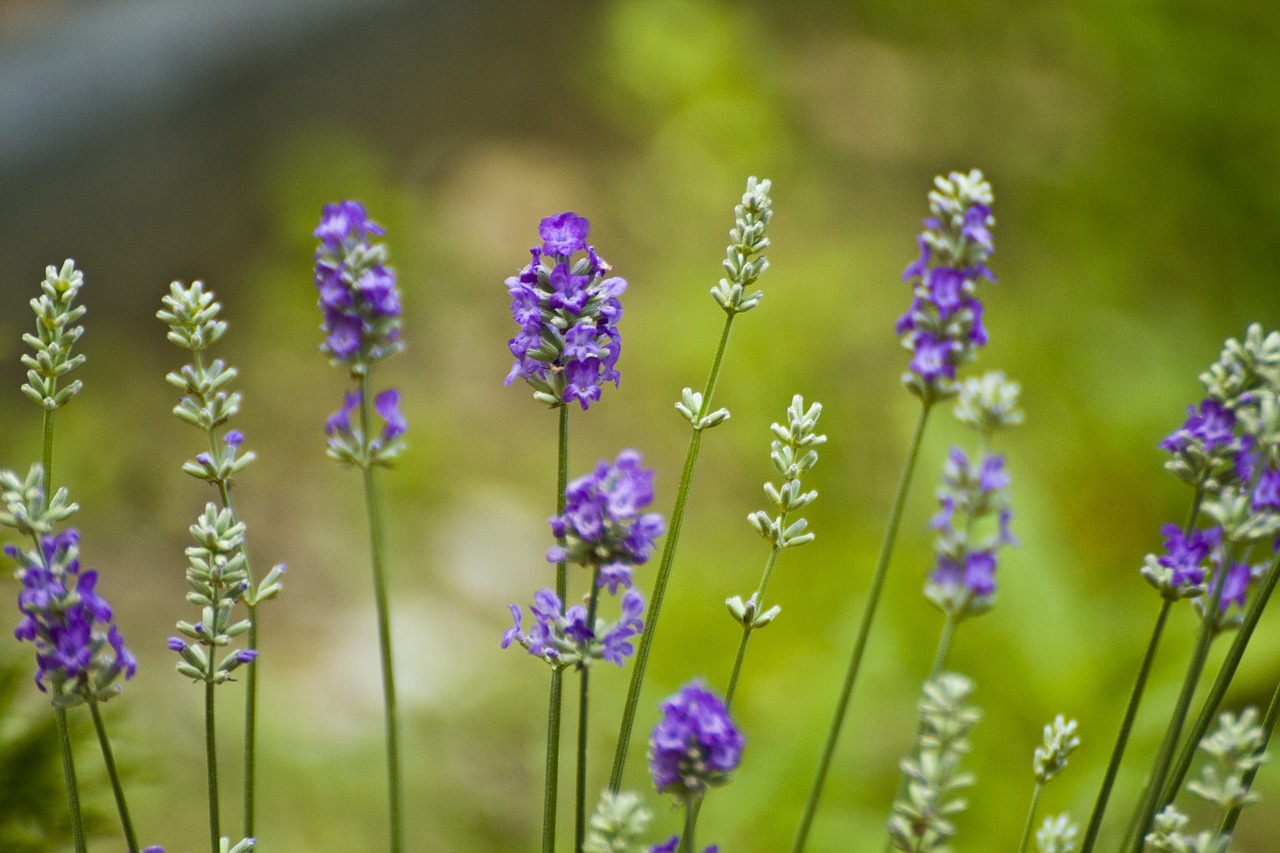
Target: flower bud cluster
x=988, y=404
x=563, y=638
x=218, y=580
x=1060, y=741
x=1057, y=835
x=1236, y=750
x=751, y=218
x=1167, y=835
x=943, y=327
x=55, y=335
x=79, y=650
x=695, y=745
x=792, y=453
x=24, y=506
x=963, y=582
x=617, y=824
x=569, y=344
x=921, y=820
x=359, y=297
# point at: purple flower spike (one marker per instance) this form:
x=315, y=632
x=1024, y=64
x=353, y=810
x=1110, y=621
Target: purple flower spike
x=568, y=345
x=943, y=327
x=695, y=745
x=359, y=299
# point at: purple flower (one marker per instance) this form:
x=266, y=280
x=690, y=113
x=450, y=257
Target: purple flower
x=695, y=745
x=616, y=647
x=568, y=344
x=1235, y=585
x=78, y=649
x=943, y=327
x=1185, y=554
x=566, y=637
x=1213, y=426
x=359, y=299
x=669, y=846
x=563, y=234
x=603, y=523
x=387, y=405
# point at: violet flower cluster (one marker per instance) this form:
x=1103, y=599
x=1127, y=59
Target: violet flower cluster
x=963, y=581
x=360, y=303
x=568, y=312
x=1227, y=450
x=79, y=650
x=943, y=327
x=605, y=529
x=358, y=294
x=695, y=745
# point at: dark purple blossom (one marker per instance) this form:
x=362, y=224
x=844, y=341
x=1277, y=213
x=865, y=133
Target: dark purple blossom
x=695, y=745
x=359, y=299
x=79, y=651
x=568, y=344
x=943, y=327
x=603, y=523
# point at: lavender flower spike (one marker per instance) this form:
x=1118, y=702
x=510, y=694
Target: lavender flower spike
x=79, y=650
x=943, y=327
x=358, y=294
x=567, y=310
x=695, y=745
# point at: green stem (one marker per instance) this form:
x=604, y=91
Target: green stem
x=377, y=553
x=1126, y=728
x=580, y=824
x=250, y=724
x=1209, y=711
x=109, y=759
x=1031, y=817
x=691, y=810
x=864, y=631
x=664, y=566
x=60, y=714
x=211, y=759
x=69, y=775
x=552, y=776
x=1268, y=728
x=944, y=645
x=1153, y=799
x=747, y=628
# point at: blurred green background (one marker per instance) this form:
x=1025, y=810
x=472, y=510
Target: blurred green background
x=1134, y=152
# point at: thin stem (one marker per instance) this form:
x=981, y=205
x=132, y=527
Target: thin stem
x=580, y=823
x=211, y=760
x=109, y=759
x=1153, y=798
x=1126, y=728
x=1212, y=701
x=664, y=567
x=377, y=550
x=1031, y=817
x=691, y=810
x=60, y=714
x=770, y=562
x=251, y=725
x=552, y=777
x=69, y=775
x=864, y=631
x=1246, y=781
x=944, y=645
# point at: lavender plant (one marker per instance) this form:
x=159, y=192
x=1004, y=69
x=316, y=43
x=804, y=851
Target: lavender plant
x=792, y=454
x=79, y=649
x=220, y=573
x=360, y=304
x=943, y=328
x=567, y=348
x=744, y=264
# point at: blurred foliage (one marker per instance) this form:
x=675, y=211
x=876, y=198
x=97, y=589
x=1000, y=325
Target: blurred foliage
x=1135, y=156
